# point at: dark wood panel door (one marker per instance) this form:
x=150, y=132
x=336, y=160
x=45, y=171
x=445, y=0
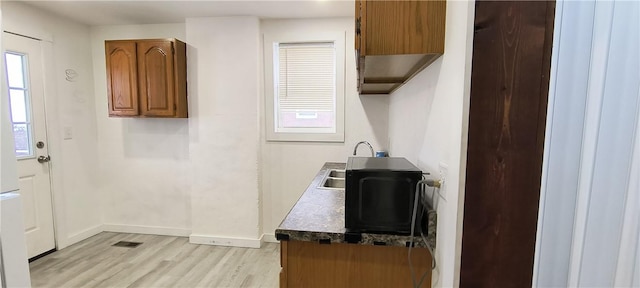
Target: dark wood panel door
x=122, y=78
x=509, y=89
x=156, y=78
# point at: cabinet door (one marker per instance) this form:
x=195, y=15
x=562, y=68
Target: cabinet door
x=403, y=27
x=122, y=82
x=156, y=78
x=361, y=28
x=357, y=28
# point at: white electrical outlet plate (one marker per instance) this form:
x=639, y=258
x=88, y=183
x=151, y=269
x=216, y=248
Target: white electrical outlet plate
x=443, y=169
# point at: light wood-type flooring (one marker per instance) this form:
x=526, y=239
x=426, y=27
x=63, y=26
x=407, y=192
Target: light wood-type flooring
x=161, y=261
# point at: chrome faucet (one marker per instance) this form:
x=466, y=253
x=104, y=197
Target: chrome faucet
x=355, y=149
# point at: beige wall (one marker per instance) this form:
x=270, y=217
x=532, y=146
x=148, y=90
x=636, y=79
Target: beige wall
x=428, y=125
x=224, y=131
x=212, y=176
x=69, y=105
x=288, y=167
x=143, y=163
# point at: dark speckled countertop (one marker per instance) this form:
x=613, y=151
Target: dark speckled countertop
x=319, y=216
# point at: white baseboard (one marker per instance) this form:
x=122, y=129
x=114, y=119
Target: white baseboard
x=225, y=241
x=155, y=230
x=139, y=229
x=77, y=237
x=271, y=238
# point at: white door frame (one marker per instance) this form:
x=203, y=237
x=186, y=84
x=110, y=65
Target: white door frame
x=52, y=128
x=43, y=237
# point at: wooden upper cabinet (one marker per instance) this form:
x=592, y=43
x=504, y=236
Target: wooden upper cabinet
x=395, y=40
x=122, y=81
x=155, y=69
x=154, y=74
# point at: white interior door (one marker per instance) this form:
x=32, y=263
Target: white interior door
x=23, y=60
x=589, y=224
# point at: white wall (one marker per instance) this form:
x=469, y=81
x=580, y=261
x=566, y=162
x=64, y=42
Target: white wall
x=212, y=176
x=589, y=224
x=289, y=167
x=428, y=122
x=71, y=105
x=144, y=164
x=224, y=132
x=223, y=183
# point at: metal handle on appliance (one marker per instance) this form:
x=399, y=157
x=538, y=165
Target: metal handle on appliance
x=43, y=159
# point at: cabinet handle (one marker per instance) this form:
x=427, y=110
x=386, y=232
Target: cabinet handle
x=358, y=26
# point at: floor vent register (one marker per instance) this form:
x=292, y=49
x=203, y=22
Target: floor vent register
x=127, y=244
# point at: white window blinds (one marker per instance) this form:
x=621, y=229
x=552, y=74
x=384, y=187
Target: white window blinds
x=304, y=85
x=306, y=77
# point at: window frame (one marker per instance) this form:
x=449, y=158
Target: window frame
x=28, y=123
x=297, y=134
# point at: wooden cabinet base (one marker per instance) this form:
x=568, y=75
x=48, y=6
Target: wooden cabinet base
x=309, y=264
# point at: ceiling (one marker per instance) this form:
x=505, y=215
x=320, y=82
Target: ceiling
x=120, y=12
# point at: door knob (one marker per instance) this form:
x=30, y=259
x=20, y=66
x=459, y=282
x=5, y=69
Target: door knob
x=43, y=159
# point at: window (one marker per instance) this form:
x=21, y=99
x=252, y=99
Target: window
x=20, y=105
x=305, y=82
x=305, y=88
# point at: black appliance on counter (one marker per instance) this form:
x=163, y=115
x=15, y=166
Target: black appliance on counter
x=380, y=194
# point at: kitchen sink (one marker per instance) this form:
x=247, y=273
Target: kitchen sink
x=337, y=174
x=333, y=183
x=333, y=180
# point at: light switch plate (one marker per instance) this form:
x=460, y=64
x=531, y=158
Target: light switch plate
x=68, y=132
x=443, y=169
